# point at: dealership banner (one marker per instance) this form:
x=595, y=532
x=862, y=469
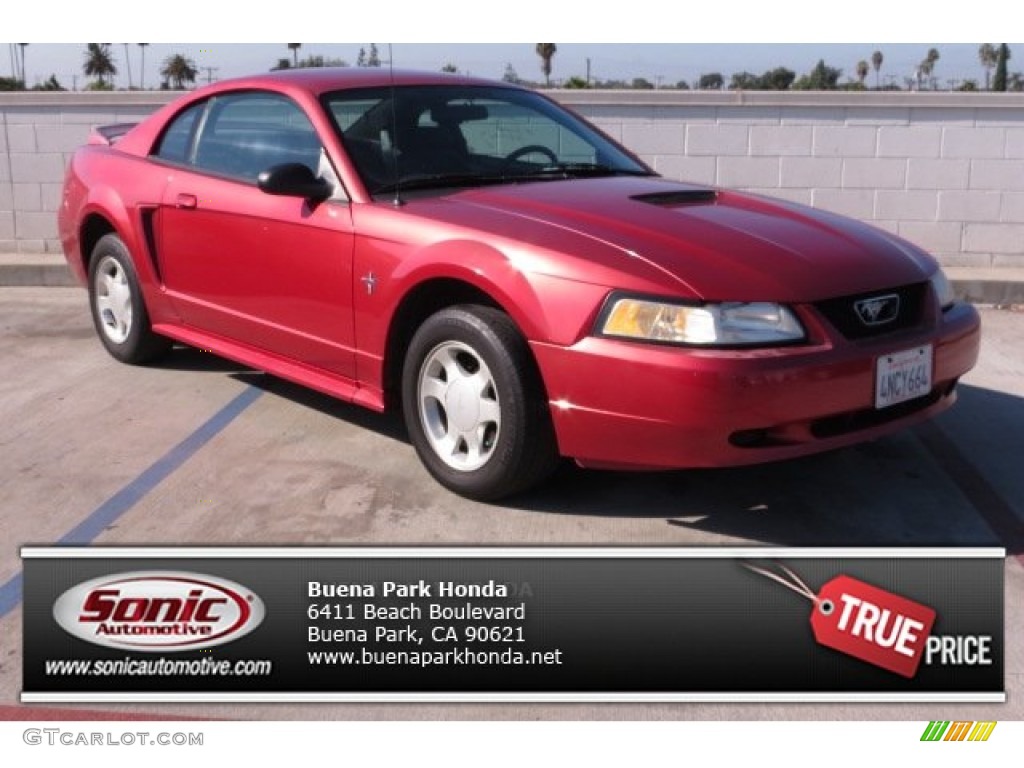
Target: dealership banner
x=513, y=624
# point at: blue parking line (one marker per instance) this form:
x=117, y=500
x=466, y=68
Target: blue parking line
x=107, y=513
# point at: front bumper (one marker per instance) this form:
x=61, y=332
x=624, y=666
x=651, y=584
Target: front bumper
x=617, y=404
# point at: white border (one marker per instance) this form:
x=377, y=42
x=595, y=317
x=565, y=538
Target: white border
x=741, y=697
x=476, y=552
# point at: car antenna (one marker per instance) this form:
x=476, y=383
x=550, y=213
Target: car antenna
x=396, y=153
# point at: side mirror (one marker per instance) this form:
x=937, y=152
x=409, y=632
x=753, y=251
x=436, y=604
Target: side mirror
x=294, y=180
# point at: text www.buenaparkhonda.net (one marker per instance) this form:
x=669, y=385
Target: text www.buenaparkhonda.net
x=452, y=657
x=159, y=667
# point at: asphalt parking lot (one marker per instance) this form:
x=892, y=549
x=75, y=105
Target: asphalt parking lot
x=200, y=451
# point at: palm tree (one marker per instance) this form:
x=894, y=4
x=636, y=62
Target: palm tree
x=876, y=63
x=999, y=82
x=988, y=54
x=547, y=52
x=99, y=63
x=24, y=77
x=179, y=70
x=294, y=48
x=142, y=74
x=862, y=70
x=928, y=65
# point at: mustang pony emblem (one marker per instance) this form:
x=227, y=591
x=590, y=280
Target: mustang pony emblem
x=878, y=310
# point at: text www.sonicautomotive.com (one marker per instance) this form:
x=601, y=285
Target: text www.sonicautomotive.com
x=160, y=667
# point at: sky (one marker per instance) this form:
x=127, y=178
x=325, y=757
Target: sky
x=668, y=41
x=661, y=63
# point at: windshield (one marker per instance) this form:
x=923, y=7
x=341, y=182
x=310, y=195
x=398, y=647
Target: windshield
x=435, y=137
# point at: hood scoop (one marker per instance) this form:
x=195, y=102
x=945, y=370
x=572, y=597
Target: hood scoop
x=678, y=197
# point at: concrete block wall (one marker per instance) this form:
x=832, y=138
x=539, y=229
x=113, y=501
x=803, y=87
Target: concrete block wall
x=38, y=134
x=944, y=170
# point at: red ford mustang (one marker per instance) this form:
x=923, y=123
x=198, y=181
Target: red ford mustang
x=520, y=285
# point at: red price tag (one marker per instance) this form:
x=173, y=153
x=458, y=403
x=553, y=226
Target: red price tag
x=864, y=621
x=873, y=625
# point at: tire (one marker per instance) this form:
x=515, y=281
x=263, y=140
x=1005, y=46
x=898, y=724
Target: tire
x=118, y=309
x=474, y=404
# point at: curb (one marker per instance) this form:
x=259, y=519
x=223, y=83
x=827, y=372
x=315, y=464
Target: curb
x=1001, y=287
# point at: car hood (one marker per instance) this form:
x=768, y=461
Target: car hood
x=714, y=244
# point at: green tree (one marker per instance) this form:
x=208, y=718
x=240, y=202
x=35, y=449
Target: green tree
x=576, y=82
x=999, y=82
x=642, y=84
x=682, y=85
x=821, y=78
x=778, y=79
x=373, y=57
x=876, y=63
x=968, y=85
x=178, y=70
x=99, y=63
x=450, y=68
x=53, y=84
x=713, y=81
x=744, y=81
x=988, y=55
x=294, y=48
x=547, y=52
x=361, y=58
x=510, y=76
x=281, y=64
x=1015, y=82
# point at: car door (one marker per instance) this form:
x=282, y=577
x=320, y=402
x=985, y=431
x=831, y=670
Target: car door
x=269, y=271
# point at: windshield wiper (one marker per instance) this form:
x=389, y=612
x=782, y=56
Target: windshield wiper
x=579, y=170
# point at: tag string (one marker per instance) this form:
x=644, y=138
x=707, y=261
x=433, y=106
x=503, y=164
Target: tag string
x=794, y=582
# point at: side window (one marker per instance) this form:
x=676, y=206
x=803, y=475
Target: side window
x=177, y=139
x=247, y=133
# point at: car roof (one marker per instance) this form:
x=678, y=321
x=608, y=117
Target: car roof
x=319, y=80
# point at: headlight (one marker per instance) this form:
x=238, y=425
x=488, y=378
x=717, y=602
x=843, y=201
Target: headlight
x=728, y=324
x=943, y=290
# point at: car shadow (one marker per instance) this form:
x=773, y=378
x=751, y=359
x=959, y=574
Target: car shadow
x=951, y=482
x=184, y=358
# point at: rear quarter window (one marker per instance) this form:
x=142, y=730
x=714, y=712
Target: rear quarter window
x=176, y=144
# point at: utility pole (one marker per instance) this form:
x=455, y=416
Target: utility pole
x=128, y=65
x=588, y=70
x=209, y=73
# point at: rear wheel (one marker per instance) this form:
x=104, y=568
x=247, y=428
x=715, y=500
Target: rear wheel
x=118, y=310
x=474, y=404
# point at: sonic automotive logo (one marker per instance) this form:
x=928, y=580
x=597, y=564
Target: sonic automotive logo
x=158, y=611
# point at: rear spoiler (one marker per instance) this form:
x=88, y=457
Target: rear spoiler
x=109, y=134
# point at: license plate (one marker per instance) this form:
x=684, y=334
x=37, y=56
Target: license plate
x=903, y=376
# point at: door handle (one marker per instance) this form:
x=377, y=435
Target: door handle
x=186, y=201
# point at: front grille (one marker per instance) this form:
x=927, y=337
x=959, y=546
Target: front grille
x=843, y=315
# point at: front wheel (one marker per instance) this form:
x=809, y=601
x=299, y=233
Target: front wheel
x=118, y=310
x=474, y=404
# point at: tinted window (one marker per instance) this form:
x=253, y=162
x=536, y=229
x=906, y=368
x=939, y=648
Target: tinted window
x=407, y=135
x=177, y=140
x=245, y=134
